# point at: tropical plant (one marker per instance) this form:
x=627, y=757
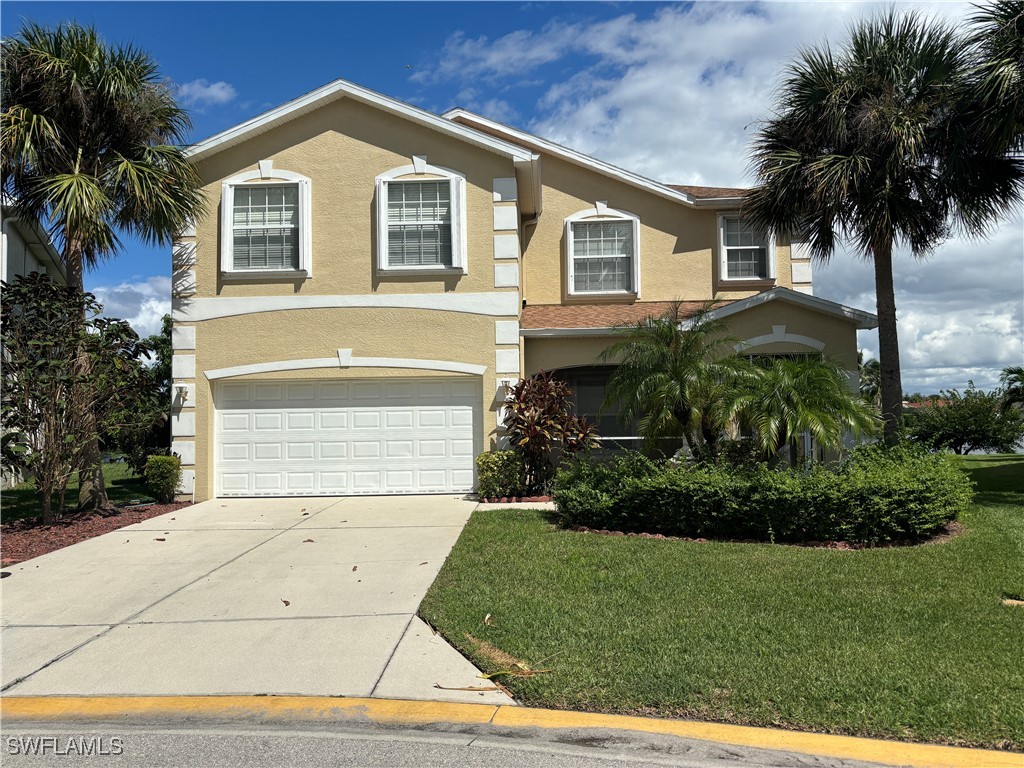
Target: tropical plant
x=1012, y=379
x=872, y=144
x=870, y=380
x=52, y=407
x=144, y=429
x=90, y=141
x=972, y=420
x=540, y=421
x=793, y=395
x=674, y=376
x=996, y=94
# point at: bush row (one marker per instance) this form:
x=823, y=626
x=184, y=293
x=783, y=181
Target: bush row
x=500, y=473
x=878, y=495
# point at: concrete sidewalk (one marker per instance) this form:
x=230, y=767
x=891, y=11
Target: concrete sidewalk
x=313, y=596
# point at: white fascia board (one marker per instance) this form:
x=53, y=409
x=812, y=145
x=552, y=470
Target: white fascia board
x=335, y=90
x=577, y=158
x=864, y=320
x=494, y=303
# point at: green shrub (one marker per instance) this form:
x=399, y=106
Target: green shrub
x=878, y=495
x=500, y=473
x=163, y=475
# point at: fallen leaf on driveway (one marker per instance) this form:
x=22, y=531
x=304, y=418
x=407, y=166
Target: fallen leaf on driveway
x=159, y=539
x=305, y=513
x=355, y=567
x=286, y=602
x=308, y=541
x=424, y=562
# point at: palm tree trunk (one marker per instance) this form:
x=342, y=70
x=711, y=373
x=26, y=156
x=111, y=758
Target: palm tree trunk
x=888, y=341
x=92, y=492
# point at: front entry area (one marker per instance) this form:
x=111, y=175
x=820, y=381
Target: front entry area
x=339, y=437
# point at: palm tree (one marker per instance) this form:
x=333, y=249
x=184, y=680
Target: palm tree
x=674, y=377
x=870, y=380
x=870, y=143
x=90, y=140
x=997, y=91
x=793, y=395
x=1012, y=379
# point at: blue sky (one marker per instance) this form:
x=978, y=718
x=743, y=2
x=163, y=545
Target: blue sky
x=668, y=90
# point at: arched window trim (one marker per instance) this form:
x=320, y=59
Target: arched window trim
x=268, y=177
x=601, y=212
x=423, y=171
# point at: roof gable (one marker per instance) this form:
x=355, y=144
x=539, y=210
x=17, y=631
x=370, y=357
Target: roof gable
x=343, y=89
x=696, y=197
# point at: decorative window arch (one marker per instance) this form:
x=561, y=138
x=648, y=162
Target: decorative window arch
x=421, y=219
x=266, y=224
x=603, y=251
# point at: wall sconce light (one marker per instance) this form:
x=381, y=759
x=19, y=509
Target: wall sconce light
x=182, y=391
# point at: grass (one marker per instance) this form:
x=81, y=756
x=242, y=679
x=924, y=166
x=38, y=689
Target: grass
x=123, y=487
x=908, y=643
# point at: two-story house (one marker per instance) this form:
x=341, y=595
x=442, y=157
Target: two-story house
x=369, y=277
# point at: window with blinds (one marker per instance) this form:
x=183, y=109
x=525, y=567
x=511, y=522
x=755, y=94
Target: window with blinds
x=746, y=250
x=602, y=253
x=419, y=219
x=265, y=227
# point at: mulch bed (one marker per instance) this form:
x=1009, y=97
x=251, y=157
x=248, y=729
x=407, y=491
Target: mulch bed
x=24, y=539
x=514, y=499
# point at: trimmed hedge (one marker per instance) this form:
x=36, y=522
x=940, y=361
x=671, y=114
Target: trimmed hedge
x=163, y=474
x=500, y=473
x=877, y=496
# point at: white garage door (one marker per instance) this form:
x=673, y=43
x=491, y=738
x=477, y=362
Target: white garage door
x=309, y=438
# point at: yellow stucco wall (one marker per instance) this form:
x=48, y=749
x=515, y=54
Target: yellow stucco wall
x=678, y=245
x=342, y=147
x=319, y=333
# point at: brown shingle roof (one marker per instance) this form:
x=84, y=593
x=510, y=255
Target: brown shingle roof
x=709, y=192
x=598, y=315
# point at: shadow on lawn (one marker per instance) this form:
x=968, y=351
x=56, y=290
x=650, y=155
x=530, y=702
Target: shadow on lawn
x=1000, y=478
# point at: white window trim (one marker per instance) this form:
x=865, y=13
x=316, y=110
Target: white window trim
x=227, y=206
x=602, y=213
x=723, y=260
x=460, y=261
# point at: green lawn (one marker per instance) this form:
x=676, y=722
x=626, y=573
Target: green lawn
x=123, y=487
x=909, y=643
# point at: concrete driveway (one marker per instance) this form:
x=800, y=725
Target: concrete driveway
x=313, y=596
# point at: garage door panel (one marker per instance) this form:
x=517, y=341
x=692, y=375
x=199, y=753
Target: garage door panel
x=372, y=436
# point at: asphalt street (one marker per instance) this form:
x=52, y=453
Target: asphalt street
x=160, y=746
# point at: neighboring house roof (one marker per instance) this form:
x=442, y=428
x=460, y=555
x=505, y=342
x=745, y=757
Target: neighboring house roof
x=672, y=192
x=598, y=319
x=36, y=237
x=525, y=161
x=710, y=193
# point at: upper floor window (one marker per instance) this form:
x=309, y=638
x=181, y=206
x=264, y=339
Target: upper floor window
x=266, y=224
x=421, y=219
x=747, y=254
x=603, y=251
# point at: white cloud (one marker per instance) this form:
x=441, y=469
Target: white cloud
x=142, y=303
x=677, y=97
x=203, y=93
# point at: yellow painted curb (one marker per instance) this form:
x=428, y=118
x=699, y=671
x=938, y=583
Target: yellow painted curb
x=400, y=712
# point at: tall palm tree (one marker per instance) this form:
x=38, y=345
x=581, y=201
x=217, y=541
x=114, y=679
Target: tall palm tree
x=674, y=376
x=794, y=395
x=870, y=144
x=90, y=140
x=1012, y=379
